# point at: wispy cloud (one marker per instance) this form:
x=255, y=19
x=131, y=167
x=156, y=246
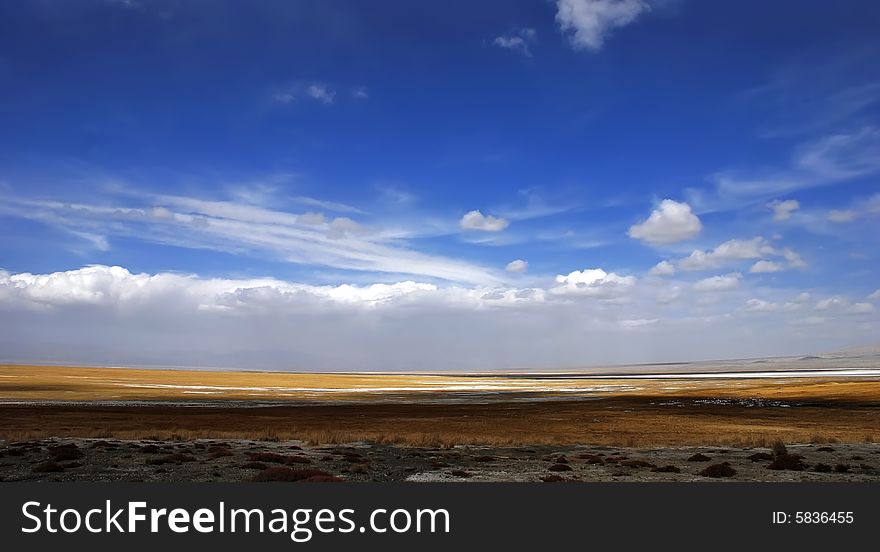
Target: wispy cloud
x=244, y=228
x=588, y=23
x=517, y=41
x=301, y=90
x=829, y=160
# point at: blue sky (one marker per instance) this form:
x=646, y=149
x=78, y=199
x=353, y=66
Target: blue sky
x=566, y=183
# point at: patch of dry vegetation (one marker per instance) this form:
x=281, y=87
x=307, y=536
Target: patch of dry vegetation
x=836, y=411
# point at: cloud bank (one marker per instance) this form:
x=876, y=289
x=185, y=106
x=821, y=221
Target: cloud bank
x=109, y=315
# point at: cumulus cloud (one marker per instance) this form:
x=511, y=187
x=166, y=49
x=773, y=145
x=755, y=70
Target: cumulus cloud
x=670, y=222
x=593, y=282
x=782, y=210
x=517, y=41
x=736, y=250
x=663, y=268
x=475, y=220
x=759, y=305
x=727, y=282
x=517, y=266
x=589, y=22
x=875, y=295
x=766, y=266
x=109, y=315
x=831, y=302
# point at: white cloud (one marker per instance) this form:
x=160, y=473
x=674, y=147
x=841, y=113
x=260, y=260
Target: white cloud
x=109, y=315
x=663, y=268
x=831, y=302
x=328, y=205
x=359, y=92
x=669, y=295
x=861, y=308
x=782, y=210
x=875, y=295
x=518, y=41
x=517, y=266
x=759, y=305
x=312, y=219
x=592, y=282
x=766, y=266
x=727, y=282
x=670, y=222
x=317, y=91
x=735, y=250
x=731, y=250
x=589, y=22
x=842, y=305
x=321, y=92
x=245, y=229
x=842, y=215
x=828, y=160
x=475, y=220
x=793, y=258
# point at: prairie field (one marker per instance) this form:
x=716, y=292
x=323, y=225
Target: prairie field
x=439, y=409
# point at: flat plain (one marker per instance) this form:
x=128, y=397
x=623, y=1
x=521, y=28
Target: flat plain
x=655, y=414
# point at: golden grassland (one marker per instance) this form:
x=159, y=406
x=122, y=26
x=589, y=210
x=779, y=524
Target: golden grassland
x=640, y=413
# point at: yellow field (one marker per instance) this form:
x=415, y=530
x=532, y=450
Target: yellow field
x=434, y=409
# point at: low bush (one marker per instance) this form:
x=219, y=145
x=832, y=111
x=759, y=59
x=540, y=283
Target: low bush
x=718, y=470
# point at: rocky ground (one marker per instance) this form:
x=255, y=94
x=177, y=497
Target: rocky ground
x=244, y=460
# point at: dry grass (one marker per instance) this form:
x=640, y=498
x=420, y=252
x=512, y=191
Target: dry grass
x=835, y=411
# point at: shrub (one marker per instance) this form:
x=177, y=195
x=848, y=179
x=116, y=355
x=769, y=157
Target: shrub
x=176, y=458
x=487, y=459
x=219, y=454
x=841, y=468
x=591, y=458
x=791, y=462
x=553, y=478
x=638, y=464
x=65, y=452
x=276, y=458
x=698, y=457
x=560, y=467
x=47, y=467
x=759, y=456
x=779, y=449
x=825, y=449
x=460, y=473
x=822, y=468
x=718, y=470
x=667, y=469
x=254, y=466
